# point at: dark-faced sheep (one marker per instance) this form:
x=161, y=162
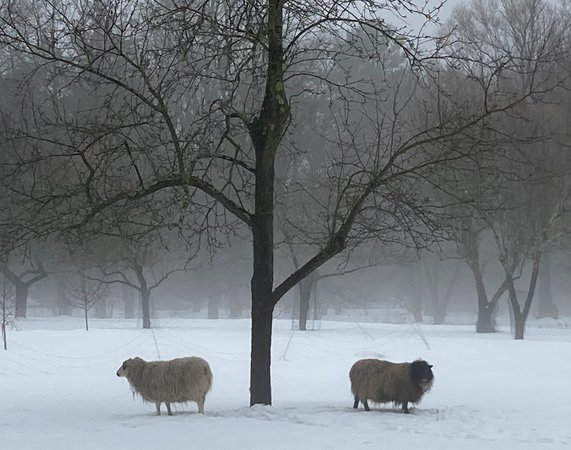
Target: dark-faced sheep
x=179, y=380
x=383, y=381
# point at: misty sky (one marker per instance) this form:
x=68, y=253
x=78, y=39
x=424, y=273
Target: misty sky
x=416, y=22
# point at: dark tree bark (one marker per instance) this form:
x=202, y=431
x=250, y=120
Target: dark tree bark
x=266, y=132
x=260, y=374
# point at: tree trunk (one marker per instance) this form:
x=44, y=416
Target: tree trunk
x=304, y=301
x=262, y=310
x=21, y=299
x=260, y=364
x=145, y=293
x=485, y=323
x=266, y=132
x=520, y=315
x=146, y=308
x=519, y=327
x=262, y=283
x=85, y=311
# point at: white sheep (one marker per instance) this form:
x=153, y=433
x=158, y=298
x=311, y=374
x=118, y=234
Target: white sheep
x=179, y=380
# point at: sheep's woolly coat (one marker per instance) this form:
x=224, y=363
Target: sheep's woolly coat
x=383, y=381
x=179, y=380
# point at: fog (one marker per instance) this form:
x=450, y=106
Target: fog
x=387, y=292
x=306, y=163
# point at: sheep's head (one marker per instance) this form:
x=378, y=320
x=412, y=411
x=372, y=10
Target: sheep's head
x=124, y=369
x=421, y=373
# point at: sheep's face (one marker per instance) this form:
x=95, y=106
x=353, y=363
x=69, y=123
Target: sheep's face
x=421, y=373
x=124, y=369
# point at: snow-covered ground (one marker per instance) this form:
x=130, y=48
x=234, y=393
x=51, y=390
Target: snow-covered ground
x=58, y=388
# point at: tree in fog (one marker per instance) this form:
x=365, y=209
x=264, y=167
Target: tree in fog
x=190, y=107
x=139, y=262
x=21, y=278
x=83, y=293
x=511, y=186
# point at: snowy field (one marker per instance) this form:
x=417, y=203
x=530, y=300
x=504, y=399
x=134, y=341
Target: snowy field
x=58, y=388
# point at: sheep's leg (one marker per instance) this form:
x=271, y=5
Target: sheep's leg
x=405, y=408
x=169, y=408
x=356, y=402
x=158, y=405
x=366, y=405
x=200, y=403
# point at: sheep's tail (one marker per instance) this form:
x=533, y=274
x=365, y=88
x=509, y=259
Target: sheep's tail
x=209, y=376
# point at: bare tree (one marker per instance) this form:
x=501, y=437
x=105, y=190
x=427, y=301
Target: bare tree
x=468, y=236
x=139, y=264
x=524, y=231
x=532, y=34
x=194, y=101
x=85, y=294
x=22, y=280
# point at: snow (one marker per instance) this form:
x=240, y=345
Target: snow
x=58, y=388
